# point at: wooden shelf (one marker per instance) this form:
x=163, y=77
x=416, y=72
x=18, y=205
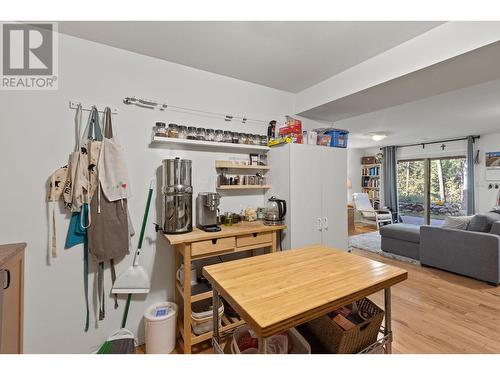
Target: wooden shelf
x=369, y=187
x=232, y=165
x=243, y=187
x=181, y=143
x=367, y=175
x=227, y=324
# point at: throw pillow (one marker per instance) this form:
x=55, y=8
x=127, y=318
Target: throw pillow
x=456, y=222
x=483, y=222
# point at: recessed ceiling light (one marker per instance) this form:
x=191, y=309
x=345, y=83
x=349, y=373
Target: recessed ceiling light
x=378, y=136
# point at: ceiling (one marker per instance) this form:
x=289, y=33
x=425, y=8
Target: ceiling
x=470, y=111
x=289, y=56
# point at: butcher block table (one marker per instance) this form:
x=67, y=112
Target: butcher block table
x=275, y=292
x=198, y=244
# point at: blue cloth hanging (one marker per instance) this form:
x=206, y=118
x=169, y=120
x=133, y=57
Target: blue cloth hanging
x=76, y=232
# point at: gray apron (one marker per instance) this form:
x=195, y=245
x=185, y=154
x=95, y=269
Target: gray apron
x=108, y=233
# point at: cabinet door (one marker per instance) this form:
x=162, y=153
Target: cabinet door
x=334, y=197
x=305, y=195
x=12, y=308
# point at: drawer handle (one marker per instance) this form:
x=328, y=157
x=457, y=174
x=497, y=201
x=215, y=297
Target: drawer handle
x=8, y=279
x=255, y=234
x=214, y=241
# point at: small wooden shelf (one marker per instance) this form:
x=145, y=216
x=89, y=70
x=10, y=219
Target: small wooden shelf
x=232, y=165
x=181, y=143
x=227, y=324
x=242, y=187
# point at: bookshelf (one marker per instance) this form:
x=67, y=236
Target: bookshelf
x=370, y=182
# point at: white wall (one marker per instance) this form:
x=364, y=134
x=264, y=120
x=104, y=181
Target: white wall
x=485, y=198
x=37, y=134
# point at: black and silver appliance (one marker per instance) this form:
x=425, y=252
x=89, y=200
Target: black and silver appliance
x=275, y=211
x=177, y=196
x=207, y=208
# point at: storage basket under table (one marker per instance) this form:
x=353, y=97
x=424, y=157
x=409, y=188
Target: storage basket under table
x=335, y=340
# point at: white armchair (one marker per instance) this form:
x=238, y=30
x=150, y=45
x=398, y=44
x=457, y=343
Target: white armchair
x=369, y=215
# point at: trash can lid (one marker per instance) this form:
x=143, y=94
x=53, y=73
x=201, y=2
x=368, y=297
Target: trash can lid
x=161, y=311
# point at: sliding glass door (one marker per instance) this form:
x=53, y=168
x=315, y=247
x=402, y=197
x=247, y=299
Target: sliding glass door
x=431, y=189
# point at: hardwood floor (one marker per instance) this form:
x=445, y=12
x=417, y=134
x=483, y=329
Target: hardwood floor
x=360, y=228
x=436, y=312
x=439, y=312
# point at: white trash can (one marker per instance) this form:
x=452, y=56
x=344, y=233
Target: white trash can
x=160, y=325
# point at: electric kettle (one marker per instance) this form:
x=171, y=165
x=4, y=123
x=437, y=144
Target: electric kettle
x=275, y=211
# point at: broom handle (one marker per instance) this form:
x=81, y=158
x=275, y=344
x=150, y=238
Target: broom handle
x=139, y=246
x=144, y=221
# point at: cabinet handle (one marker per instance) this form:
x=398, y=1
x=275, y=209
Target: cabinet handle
x=8, y=279
x=254, y=234
x=319, y=224
x=214, y=241
x=325, y=223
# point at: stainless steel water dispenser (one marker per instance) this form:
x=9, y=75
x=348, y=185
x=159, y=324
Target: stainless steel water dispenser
x=177, y=196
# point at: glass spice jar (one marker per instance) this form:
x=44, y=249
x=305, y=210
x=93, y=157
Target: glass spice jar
x=210, y=135
x=235, y=137
x=242, y=138
x=228, y=137
x=263, y=140
x=191, y=132
x=200, y=134
x=182, y=132
x=219, y=135
x=160, y=130
x=173, y=131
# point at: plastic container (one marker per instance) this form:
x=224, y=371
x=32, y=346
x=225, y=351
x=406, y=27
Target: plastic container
x=160, y=325
x=339, y=137
x=202, y=316
x=299, y=344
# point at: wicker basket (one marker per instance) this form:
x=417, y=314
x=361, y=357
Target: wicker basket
x=335, y=340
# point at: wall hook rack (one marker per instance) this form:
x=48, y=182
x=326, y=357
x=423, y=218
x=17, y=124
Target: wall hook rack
x=73, y=104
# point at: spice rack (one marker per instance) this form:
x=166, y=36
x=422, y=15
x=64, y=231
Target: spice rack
x=226, y=165
x=186, y=144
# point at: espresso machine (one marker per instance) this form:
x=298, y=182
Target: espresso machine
x=177, y=196
x=207, y=208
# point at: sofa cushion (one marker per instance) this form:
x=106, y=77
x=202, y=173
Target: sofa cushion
x=403, y=232
x=456, y=222
x=483, y=222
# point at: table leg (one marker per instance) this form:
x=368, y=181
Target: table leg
x=262, y=345
x=187, y=299
x=215, y=320
x=388, y=326
x=275, y=242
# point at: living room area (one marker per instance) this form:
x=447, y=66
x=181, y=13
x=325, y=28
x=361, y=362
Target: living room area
x=423, y=192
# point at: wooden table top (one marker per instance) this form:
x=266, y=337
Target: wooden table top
x=277, y=291
x=226, y=231
x=10, y=250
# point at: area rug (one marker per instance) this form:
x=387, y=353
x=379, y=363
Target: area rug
x=372, y=242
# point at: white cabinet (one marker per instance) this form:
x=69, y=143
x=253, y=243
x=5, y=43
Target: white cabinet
x=312, y=180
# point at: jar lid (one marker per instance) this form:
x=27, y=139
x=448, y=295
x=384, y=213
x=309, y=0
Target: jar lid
x=172, y=125
x=183, y=127
x=227, y=131
x=218, y=130
x=200, y=129
x=191, y=127
x=160, y=124
x=210, y=130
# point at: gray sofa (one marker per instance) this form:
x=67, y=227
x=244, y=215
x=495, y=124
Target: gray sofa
x=474, y=254
x=469, y=253
x=401, y=239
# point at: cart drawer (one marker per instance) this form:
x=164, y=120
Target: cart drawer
x=254, y=239
x=215, y=245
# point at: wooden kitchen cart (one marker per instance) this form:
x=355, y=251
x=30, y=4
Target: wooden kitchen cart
x=275, y=292
x=198, y=244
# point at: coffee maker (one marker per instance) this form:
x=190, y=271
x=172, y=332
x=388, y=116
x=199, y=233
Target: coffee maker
x=207, y=211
